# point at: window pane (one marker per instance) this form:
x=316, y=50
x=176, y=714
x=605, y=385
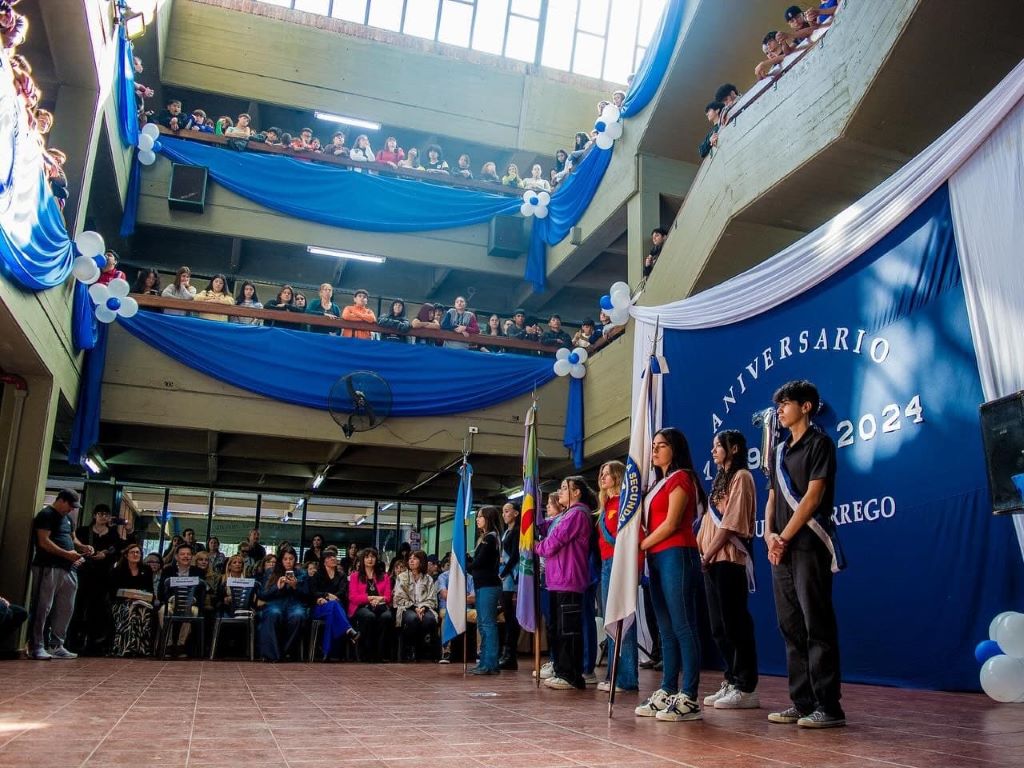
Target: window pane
x=522, y=39
x=529, y=8
x=421, y=18
x=350, y=10
x=558, y=34
x=456, y=22
x=650, y=15
x=640, y=51
x=282, y=3
x=589, y=52
x=489, y=28
x=594, y=17
x=386, y=14
x=618, y=60
x=313, y=6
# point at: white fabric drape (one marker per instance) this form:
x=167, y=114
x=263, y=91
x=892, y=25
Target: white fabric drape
x=987, y=198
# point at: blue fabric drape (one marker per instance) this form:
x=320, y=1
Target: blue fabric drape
x=85, y=430
x=124, y=82
x=656, y=59
x=34, y=247
x=131, y=200
x=573, y=436
x=337, y=196
x=83, y=322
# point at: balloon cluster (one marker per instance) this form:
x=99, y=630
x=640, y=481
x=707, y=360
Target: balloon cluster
x=571, y=362
x=535, y=204
x=608, y=126
x=1002, y=658
x=112, y=301
x=149, y=143
x=616, y=303
x=90, y=260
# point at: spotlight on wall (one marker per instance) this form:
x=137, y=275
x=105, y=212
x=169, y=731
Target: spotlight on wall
x=361, y=520
x=320, y=477
x=345, y=120
x=316, y=250
x=92, y=465
x=286, y=517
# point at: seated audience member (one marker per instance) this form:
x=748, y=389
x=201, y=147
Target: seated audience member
x=392, y=154
x=415, y=602
x=337, y=146
x=171, y=117
x=247, y=297
x=532, y=331
x=234, y=568
x=361, y=152
x=489, y=173
x=396, y=321
x=775, y=49
x=11, y=617
x=561, y=158
x=172, y=548
x=412, y=160
x=306, y=141
x=202, y=561
x=241, y=128
x=284, y=591
x=264, y=565
x=435, y=160
x=13, y=26
x=329, y=588
x=131, y=594
x=396, y=569
x=300, y=306
x=369, y=604
x=713, y=111
x=429, y=316
x=315, y=551
x=217, y=558
x=605, y=324
x=460, y=320
x=618, y=98
x=507, y=326
x=493, y=329
x=586, y=335
x=511, y=177
x=147, y=283
x=110, y=271
x=156, y=566
x=223, y=123
x=272, y=137
x=537, y=182
x=464, y=171
x=358, y=311
x=442, y=603
x=182, y=567
x=554, y=336
x=181, y=288
x=324, y=305
x=284, y=302
x=658, y=236
x=728, y=95
x=216, y=293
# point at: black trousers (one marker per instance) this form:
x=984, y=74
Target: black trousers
x=375, y=629
x=567, y=629
x=807, y=619
x=416, y=631
x=510, y=638
x=731, y=623
x=11, y=617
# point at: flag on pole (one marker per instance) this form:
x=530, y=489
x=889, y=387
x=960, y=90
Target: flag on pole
x=455, y=615
x=526, y=608
x=625, y=578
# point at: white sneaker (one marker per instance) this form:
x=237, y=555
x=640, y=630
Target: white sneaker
x=737, y=699
x=590, y=679
x=60, y=652
x=546, y=671
x=39, y=654
x=682, y=707
x=710, y=699
x=656, y=702
x=604, y=685
x=559, y=684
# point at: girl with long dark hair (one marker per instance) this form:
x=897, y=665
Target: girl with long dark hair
x=508, y=572
x=483, y=567
x=285, y=592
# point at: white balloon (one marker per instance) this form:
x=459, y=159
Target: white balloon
x=578, y=371
x=528, y=195
x=99, y=293
x=618, y=285
x=620, y=298
x=562, y=367
x=526, y=209
x=147, y=156
x=145, y=142
x=604, y=141
x=619, y=315
x=614, y=130
x=562, y=354
x=544, y=198
x=610, y=113
x=582, y=354
x=541, y=211
x=1002, y=678
x=119, y=288
x=1010, y=635
x=104, y=314
x=89, y=243
x=993, y=626
x=152, y=130
x=129, y=307
x=85, y=270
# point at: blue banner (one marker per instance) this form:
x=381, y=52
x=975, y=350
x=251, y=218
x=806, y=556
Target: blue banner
x=887, y=343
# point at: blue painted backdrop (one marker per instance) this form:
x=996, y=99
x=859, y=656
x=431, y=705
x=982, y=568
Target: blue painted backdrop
x=888, y=344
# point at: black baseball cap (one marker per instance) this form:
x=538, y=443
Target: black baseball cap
x=793, y=11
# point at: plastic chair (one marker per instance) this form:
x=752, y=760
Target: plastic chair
x=244, y=616
x=184, y=598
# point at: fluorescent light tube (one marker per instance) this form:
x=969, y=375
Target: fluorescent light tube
x=318, y=251
x=354, y=121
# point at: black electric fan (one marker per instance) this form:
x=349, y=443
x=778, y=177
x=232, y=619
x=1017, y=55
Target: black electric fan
x=359, y=401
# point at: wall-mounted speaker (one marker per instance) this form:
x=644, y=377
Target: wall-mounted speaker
x=1002, y=430
x=188, y=188
x=507, y=237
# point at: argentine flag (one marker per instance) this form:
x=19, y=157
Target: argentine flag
x=455, y=614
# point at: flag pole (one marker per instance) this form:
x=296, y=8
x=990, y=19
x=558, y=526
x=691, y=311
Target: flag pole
x=461, y=514
x=536, y=621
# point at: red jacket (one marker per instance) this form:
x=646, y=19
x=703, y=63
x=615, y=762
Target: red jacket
x=357, y=596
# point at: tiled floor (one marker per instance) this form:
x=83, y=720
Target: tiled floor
x=104, y=712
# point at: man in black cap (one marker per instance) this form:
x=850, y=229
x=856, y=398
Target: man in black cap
x=799, y=27
x=58, y=554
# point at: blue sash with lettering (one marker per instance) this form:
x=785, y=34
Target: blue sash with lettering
x=785, y=483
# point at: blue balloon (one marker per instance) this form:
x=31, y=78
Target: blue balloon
x=113, y=303
x=573, y=358
x=600, y=126
x=606, y=303
x=534, y=200
x=157, y=146
x=101, y=260
x=985, y=650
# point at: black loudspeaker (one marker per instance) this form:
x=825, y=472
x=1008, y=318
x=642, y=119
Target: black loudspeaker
x=188, y=188
x=507, y=237
x=1002, y=430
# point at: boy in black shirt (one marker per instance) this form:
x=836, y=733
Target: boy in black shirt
x=804, y=553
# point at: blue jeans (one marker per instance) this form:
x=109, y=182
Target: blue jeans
x=627, y=674
x=487, y=599
x=336, y=624
x=675, y=576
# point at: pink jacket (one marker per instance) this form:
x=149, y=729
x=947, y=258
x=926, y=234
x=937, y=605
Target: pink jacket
x=565, y=549
x=357, y=596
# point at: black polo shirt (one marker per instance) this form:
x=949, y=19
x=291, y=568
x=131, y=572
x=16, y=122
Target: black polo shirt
x=813, y=457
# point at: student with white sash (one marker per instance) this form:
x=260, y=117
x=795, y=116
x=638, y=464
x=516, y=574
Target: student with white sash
x=725, y=538
x=804, y=552
x=670, y=510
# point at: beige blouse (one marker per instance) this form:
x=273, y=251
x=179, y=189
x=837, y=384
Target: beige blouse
x=737, y=509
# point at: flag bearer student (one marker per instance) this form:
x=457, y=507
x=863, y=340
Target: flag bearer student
x=804, y=553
